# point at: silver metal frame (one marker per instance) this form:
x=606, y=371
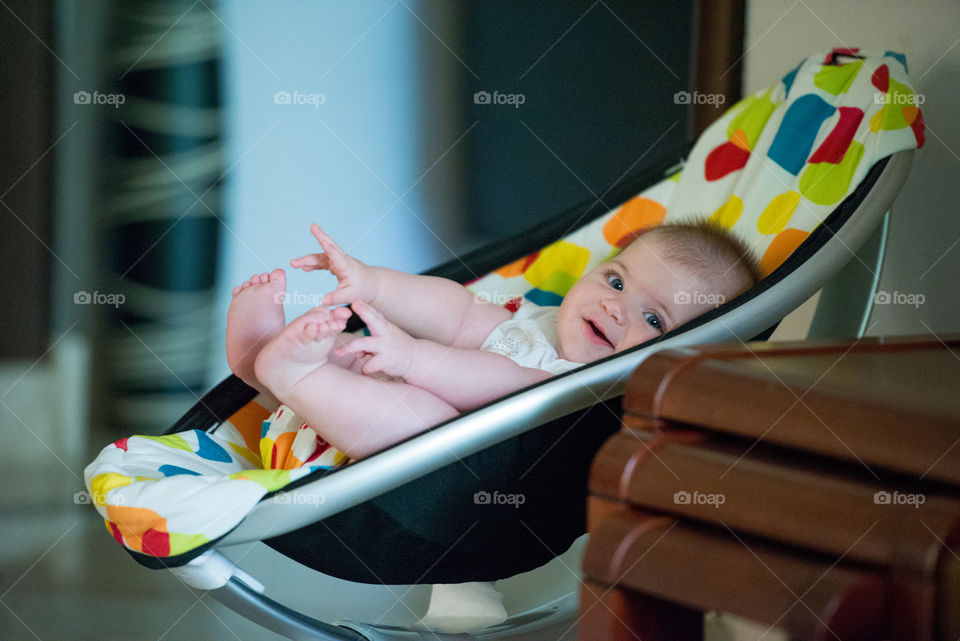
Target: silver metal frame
x=846, y=302
x=266, y=612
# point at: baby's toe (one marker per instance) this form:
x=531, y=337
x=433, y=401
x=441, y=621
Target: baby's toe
x=342, y=313
x=277, y=276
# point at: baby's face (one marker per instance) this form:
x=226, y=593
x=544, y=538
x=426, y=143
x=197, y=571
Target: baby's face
x=625, y=302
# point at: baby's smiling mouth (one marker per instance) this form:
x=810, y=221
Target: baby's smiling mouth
x=599, y=333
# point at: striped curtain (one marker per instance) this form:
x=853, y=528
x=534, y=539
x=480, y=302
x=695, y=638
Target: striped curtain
x=161, y=214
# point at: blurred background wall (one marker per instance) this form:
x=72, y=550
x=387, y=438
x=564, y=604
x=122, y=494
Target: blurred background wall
x=397, y=160
x=172, y=186
x=363, y=117
x=139, y=190
x=922, y=257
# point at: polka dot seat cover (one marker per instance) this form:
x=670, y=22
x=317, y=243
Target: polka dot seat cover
x=771, y=169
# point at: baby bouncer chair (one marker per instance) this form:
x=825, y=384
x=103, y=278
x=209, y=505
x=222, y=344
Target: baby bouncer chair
x=804, y=172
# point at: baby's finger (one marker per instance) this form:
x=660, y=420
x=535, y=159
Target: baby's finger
x=338, y=261
x=311, y=262
x=375, y=321
x=339, y=296
x=325, y=241
x=336, y=257
x=346, y=350
x=373, y=366
x=359, y=346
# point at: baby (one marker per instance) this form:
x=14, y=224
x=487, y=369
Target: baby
x=435, y=350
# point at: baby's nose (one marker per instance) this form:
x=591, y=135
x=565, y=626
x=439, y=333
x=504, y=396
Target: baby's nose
x=613, y=308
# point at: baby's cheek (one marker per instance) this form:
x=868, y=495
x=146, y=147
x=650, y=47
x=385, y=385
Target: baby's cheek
x=570, y=347
x=564, y=345
x=636, y=336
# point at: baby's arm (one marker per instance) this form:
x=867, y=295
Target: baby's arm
x=463, y=378
x=429, y=307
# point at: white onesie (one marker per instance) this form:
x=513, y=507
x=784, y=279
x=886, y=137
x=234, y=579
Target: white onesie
x=530, y=339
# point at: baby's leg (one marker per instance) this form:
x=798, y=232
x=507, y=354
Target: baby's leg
x=255, y=318
x=356, y=414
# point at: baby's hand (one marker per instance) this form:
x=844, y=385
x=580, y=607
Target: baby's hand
x=390, y=348
x=353, y=279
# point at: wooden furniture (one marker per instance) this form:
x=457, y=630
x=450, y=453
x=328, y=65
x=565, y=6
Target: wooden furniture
x=813, y=487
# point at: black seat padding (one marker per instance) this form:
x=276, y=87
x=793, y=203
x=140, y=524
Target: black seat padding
x=436, y=529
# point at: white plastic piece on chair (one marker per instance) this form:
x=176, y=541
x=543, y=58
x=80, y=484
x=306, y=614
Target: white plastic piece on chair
x=463, y=607
x=212, y=570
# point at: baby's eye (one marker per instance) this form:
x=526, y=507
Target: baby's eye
x=615, y=281
x=654, y=321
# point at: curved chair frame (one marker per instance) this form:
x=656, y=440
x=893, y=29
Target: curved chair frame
x=861, y=217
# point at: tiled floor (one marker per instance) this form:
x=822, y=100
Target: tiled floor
x=63, y=577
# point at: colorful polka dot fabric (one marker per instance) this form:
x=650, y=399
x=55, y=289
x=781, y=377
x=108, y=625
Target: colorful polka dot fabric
x=771, y=169
x=165, y=496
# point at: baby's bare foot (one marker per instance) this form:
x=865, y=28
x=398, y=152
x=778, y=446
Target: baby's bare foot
x=301, y=348
x=255, y=318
